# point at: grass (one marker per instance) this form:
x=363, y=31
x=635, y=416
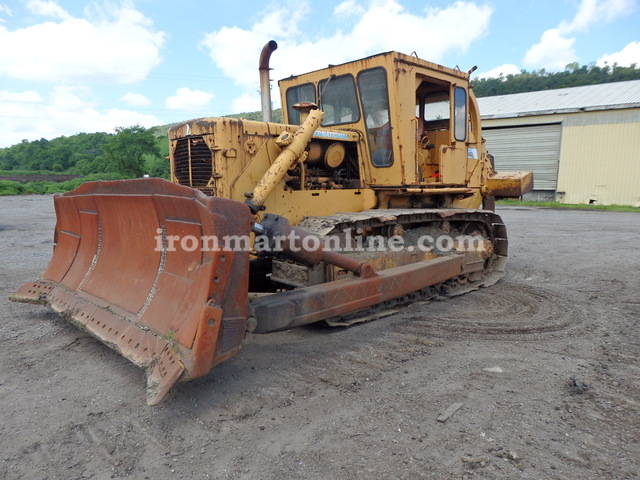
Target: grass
x=576, y=206
x=8, y=187
x=29, y=172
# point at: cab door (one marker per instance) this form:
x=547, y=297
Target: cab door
x=453, y=157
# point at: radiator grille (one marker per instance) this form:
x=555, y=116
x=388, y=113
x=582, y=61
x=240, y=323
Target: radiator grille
x=193, y=155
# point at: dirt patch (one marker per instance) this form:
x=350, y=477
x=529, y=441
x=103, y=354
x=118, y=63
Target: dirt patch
x=545, y=365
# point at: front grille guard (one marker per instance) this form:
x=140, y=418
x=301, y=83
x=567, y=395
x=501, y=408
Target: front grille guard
x=193, y=164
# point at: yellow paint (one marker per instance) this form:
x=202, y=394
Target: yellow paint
x=294, y=205
x=248, y=159
x=600, y=164
x=287, y=157
x=510, y=184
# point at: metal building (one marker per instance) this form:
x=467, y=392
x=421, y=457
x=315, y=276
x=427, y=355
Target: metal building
x=582, y=143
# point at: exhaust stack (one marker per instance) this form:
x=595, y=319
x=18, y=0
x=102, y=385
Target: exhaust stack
x=265, y=84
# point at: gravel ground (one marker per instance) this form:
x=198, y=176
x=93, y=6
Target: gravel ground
x=545, y=365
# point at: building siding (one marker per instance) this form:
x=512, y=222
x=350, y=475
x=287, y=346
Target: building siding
x=600, y=163
x=528, y=148
x=599, y=154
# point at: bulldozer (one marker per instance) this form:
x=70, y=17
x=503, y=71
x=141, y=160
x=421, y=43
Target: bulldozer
x=376, y=190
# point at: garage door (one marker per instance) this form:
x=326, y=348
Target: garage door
x=527, y=148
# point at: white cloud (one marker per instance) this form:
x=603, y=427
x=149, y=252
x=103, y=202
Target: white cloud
x=377, y=28
x=625, y=57
x=63, y=111
x=348, y=8
x=553, y=52
x=115, y=44
x=502, y=70
x=135, y=99
x=246, y=103
x=6, y=10
x=596, y=11
x=187, y=99
x=48, y=9
x=555, y=49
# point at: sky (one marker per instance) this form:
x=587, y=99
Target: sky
x=70, y=66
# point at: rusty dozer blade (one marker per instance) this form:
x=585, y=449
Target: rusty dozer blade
x=174, y=311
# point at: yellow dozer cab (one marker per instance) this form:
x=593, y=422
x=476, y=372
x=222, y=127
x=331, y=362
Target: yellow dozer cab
x=376, y=190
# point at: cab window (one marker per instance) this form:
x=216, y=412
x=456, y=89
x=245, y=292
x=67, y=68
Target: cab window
x=460, y=114
x=338, y=100
x=300, y=93
x=436, y=108
x=375, y=106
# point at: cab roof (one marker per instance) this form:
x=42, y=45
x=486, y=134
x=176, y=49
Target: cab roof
x=386, y=59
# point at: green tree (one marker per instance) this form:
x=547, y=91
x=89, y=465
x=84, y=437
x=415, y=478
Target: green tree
x=128, y=147
x=161, y=168
x=59, y=154
x=574, y=75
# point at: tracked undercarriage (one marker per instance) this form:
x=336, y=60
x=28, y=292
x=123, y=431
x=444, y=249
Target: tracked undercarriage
x=385, y=240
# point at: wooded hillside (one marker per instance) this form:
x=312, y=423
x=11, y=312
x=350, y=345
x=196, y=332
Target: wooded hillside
x=87, y=153
x=573, y=76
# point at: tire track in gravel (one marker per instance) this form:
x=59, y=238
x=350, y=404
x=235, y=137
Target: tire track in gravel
x=508, y=311
x=363, y=353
